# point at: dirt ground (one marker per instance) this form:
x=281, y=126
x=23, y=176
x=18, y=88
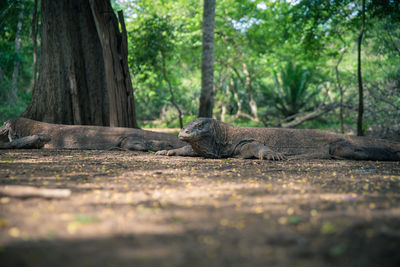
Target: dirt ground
x=138, y=209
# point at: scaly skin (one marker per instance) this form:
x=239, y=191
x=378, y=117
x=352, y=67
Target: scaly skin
x=214, y=139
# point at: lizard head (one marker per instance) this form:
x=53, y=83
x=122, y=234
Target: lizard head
x=208, y=137
x=203, y=135
x=196, y=130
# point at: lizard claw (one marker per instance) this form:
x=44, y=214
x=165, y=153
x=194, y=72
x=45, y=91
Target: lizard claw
x=161, y=153
x=270, y=155
x=171, y=152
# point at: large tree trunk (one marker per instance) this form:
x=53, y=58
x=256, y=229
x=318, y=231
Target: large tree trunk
x=207, y=60
x=13, y=95
x=71, y=84
x=119, y=87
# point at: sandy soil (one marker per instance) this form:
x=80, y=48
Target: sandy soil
x=138, y=209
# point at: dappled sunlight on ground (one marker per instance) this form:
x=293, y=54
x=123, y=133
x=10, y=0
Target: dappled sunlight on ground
x=133, y=207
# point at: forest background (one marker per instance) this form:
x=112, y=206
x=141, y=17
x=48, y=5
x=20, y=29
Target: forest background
x=277, y=63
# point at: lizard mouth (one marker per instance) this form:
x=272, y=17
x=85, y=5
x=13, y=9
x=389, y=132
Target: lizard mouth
x=184, y=136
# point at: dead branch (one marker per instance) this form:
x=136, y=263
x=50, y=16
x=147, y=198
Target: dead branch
x=322, y=109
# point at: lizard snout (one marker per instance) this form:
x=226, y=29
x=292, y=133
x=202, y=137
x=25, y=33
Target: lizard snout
x=184, y=133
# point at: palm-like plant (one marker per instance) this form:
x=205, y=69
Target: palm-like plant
x=293, y=91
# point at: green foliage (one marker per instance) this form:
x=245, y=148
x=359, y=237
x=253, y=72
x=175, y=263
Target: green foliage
x=152, y=38
x=9, y=11
x=157, y=45
x=8, y=112
x=149, y=37
x=276, y=55
x=293, y=91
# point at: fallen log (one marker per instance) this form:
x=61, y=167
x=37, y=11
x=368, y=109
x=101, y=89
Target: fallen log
x=26, y=133
x=29, y=191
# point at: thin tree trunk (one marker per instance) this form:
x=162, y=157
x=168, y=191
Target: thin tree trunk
x=223, y=112
x=360, y=84
x=117, y=80
x=249, y=89
x=14, y=88
x=207, y=60
x=239, y=112
x=247, y=86
x=339, y=85
x=236, y=97
x=34, y=30
x=171, y=91
x=221, y=102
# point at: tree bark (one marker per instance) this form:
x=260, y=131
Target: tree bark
x=128, y=81
x=207, y=60
x=14, y=88
x=119, y=87
x=71, y=84
x=360, y=84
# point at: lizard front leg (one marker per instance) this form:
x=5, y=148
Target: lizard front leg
x=185, y=151
x=257, y=150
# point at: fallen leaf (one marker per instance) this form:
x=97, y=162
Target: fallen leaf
x=14, y=232
x=328, y=228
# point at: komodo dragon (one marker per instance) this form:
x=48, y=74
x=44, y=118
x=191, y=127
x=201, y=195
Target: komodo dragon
x=25, y=133
x=214, y=139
